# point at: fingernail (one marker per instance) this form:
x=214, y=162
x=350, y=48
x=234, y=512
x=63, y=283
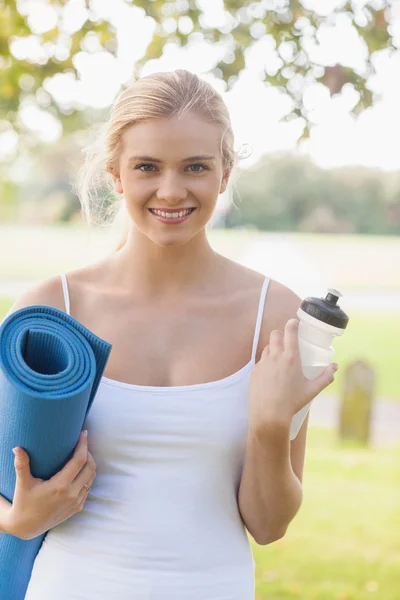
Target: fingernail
x=85, y=433
x=335, y=367
x=16, y=451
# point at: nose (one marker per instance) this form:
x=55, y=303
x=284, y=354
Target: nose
x=171, y=190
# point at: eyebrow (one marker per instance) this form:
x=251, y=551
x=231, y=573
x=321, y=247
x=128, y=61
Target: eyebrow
x=157, y=160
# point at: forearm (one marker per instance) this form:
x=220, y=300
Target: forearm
x=270, y=494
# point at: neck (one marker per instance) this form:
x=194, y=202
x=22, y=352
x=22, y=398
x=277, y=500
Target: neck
x=171, y=270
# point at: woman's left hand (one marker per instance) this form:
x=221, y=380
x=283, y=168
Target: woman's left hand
x=278, y=388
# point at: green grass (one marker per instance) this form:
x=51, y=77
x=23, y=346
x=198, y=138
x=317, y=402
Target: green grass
x=343, y=544
x=350, y=262
x=5, y=305
x=373, y=336
x=42, y=251
x=356, y=262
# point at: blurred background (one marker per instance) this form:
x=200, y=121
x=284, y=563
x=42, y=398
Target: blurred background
x=313, y=91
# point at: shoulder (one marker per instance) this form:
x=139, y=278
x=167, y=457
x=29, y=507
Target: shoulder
x=48, y=292
x=281, y=304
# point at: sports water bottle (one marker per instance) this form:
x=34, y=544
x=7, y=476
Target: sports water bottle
x=321, y=319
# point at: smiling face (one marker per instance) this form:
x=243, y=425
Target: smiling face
x=171, y=165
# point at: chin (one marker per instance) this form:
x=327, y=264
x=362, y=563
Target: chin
x=167, y=241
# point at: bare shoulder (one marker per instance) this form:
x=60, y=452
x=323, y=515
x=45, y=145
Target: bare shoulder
x=48, y=292
x=281, y=304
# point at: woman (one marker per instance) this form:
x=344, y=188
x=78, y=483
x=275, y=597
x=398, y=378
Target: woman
x=189, y=432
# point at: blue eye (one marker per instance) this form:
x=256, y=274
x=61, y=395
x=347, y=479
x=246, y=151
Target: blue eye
x=144, y=165
x=139, y=167
x=199, y=165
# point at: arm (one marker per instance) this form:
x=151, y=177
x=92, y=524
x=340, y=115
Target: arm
x=270, y=492
x=49, y=293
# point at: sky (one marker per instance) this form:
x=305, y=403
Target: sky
x=256, y=109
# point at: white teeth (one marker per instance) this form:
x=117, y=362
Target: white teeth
x=173, y=215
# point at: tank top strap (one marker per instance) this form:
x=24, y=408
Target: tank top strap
x=260, y=313
x=65, y=290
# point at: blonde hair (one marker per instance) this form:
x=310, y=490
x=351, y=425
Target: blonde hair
x=164, y=94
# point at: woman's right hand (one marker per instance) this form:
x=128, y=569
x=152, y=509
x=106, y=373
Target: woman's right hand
x=39, y=505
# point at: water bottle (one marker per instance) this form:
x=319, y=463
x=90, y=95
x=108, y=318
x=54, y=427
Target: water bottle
x=321, y=319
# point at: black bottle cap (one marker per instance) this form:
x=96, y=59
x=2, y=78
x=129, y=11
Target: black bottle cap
x=326, y=309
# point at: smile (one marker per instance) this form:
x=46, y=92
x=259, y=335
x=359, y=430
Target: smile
x=172, y=217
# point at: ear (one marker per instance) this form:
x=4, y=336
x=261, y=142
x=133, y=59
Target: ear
x=117, y=182
x=225, y=179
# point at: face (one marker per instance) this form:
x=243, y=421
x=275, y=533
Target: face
x=171, y=165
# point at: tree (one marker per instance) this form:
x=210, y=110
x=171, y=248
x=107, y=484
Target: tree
x=288, y=192
x=291, y=27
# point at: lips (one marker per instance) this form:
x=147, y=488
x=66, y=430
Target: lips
x=176, y=219
x=177, y=213
x=172, y=210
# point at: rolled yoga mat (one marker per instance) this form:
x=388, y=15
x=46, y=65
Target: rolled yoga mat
x=50, y=370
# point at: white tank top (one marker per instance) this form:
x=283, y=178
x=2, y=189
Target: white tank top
x=161, y=521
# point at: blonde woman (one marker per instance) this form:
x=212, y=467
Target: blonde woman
x=188, y=444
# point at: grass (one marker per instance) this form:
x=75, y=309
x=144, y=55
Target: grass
x=352, y=262
x=372, y=336
x=357, y=262
x=5, y=305
x=38, y=252
x=344, y=542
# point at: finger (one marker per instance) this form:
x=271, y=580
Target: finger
x=87, y=474
x=83, y=494
x=88, y=480
x=265, y=352
x=291, y=336
x=75, y=464
x=276, y=342
x=22, y=466
x=323, y=380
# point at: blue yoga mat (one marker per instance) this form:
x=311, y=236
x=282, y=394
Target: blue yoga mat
x=50, y=370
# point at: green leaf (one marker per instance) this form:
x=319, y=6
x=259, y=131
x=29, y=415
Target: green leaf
x=280, y=23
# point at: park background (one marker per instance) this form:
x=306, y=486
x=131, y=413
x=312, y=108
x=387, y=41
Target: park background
x=312, y=88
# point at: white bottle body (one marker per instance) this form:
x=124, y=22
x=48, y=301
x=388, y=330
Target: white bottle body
x=316, y=352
